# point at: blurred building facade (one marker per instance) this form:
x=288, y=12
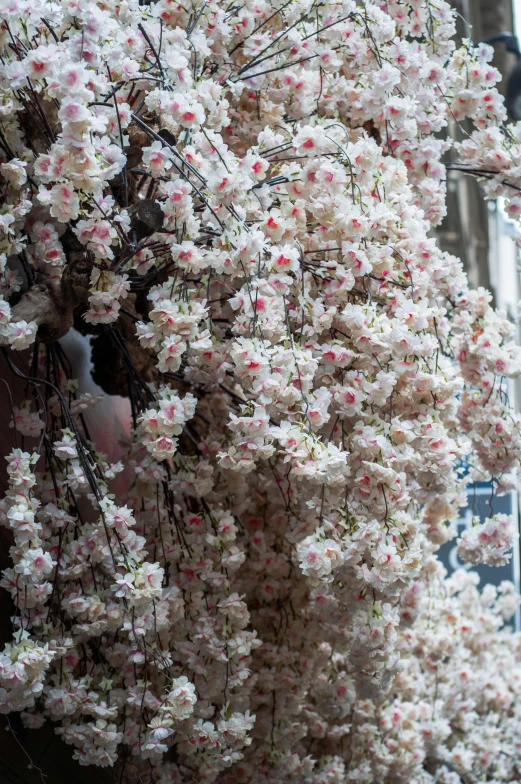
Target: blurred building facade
x=480, y=234
x=466, y=231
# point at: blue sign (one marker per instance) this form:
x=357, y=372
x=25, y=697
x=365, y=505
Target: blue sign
x=482, y=503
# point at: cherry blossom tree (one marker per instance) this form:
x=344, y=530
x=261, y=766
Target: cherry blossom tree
x=235, y=201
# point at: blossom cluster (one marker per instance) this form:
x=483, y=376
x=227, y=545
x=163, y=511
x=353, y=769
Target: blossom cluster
x=237, y=204
x=489, y=542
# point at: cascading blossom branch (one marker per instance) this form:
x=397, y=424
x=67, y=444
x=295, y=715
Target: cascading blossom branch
x=236, y=204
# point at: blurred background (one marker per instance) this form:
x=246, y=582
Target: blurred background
x=481, y=235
